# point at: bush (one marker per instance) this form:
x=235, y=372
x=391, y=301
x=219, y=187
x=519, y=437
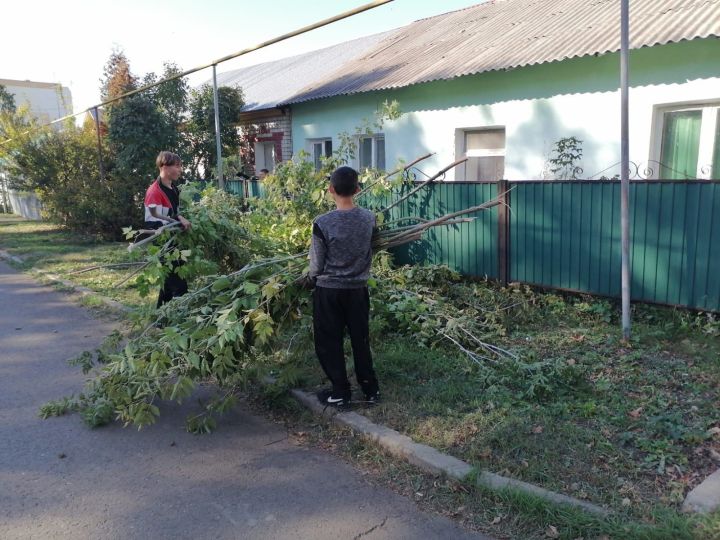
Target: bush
x=62, y=167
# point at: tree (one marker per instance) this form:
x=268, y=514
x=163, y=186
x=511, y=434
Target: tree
x=141, y=125
x=7, y=101
x=199, y=131
x=564, y=164
x=117, y=78
x=137, y=132
x=171, y=101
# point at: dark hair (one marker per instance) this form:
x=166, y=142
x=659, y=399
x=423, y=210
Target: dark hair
x=265, y=171
x=345, y=181
x=167, y=158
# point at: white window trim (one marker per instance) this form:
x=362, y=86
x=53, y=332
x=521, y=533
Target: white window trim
x=708, y=125
x=310, y=146
x=373, y=149
x=260, y=156
x=462, y=151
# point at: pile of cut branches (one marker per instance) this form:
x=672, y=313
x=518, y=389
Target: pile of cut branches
x=215, y=333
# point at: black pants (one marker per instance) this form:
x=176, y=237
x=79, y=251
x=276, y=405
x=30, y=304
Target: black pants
x=173, y=285
x=333, y=311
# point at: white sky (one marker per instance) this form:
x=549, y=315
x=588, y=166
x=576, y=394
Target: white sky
x=69, y=41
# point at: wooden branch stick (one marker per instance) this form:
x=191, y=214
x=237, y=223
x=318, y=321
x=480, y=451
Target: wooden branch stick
x=137, y=271
x=155, y=232
x=403, y=169
x=425, y=183
x=99, y=266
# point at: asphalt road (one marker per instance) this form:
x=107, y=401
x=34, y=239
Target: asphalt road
x=60, y=479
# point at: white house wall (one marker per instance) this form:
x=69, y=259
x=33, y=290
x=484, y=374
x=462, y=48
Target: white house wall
x=46, y=101
x=537, y=105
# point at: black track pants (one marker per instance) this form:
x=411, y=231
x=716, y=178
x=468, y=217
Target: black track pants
x=173, y=285
x=333, y=311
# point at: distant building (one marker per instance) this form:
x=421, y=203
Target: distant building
x=47, y=101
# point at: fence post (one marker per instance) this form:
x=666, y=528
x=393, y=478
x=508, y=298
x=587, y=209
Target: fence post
x=503, y=245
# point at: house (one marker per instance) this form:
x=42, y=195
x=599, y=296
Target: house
x=501, y=82
x=266, y=128
x=46, y=101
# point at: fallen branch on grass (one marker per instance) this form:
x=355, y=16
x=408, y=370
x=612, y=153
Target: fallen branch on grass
x=103, y=266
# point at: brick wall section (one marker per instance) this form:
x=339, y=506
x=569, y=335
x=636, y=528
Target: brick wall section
x=275, y=129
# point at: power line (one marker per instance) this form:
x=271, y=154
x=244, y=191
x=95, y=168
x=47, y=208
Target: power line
x=242, y=52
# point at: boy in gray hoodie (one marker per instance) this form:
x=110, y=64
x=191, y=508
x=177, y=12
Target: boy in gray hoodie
x=340, y=258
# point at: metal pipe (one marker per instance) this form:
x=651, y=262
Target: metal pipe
x=218, y=142
x=283, y=37
x=625, y=166
x=99, y=144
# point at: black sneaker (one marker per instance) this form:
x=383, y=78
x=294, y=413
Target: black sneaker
x=327, y=397
x=373, y=398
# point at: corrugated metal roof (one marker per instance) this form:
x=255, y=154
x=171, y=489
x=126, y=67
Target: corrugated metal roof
x=504, y=34
x=265, y=85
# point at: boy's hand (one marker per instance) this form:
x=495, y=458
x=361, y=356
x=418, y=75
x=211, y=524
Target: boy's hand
x=306, y=282
x=185, y=223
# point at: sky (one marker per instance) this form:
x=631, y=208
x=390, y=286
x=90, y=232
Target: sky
x=69, y=41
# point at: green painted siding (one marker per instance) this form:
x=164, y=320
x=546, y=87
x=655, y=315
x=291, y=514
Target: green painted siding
x=537, y=105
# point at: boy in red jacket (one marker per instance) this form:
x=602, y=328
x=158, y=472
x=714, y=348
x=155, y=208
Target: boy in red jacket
x=162, y=207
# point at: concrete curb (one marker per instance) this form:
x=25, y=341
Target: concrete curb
x=83, y=291
x=5, y=255
x=431, y=460
x=705, y=498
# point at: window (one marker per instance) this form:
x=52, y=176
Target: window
x=371, y=152
x=264, y=156
x=319, y=148
x=689, y=142
x=485, y=150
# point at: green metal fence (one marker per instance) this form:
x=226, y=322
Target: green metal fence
x=566, y=235
x=470, y=248
x=244, y=188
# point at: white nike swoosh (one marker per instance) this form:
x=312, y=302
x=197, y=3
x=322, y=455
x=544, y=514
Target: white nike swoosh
x=334, y=400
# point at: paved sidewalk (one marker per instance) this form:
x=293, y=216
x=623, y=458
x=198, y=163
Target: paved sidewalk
x=60, y=479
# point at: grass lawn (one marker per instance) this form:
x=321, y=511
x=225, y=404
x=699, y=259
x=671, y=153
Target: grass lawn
x=635, y=430
x=635, y=427
x=45, y=246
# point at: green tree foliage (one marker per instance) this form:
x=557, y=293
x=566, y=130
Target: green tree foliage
x=7, y=101
x=230, y=328
x=200, y=128
x=564, y=164
x=137, y=132
x=117, y=78
x=171, y=101
x=62, y=167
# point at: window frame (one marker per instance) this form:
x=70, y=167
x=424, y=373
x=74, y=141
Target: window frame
x=310, y=147
x=461, y=150
x=260, y=162
x=710, y=116
x=375, y=137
